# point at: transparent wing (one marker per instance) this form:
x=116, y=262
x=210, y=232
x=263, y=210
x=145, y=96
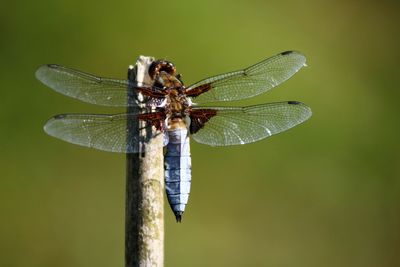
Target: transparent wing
x=103, y=132
x=84, y=86
x=223, y=126
x=249, y=82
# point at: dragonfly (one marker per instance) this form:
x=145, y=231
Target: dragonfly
x=174, y=110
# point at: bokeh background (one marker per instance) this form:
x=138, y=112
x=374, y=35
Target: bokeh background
x=326, y=193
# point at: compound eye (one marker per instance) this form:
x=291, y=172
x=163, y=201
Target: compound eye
x=161, y=65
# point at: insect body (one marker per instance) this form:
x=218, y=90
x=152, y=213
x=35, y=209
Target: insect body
x=168, y=106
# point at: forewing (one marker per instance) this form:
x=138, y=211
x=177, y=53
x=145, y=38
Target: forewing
x=103, y=132
x=223, y=126
x=249, y=82
x=85, y=87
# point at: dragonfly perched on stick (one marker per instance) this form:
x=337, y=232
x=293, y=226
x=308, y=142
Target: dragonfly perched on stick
x=168, y=105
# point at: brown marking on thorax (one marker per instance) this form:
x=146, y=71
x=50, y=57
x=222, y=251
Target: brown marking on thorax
x=198, y=90
x=199, y=117
x=176, y=99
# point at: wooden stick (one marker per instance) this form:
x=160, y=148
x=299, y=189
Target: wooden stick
x=144, y=222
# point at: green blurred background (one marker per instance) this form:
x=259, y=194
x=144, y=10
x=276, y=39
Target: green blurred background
x=323, y=194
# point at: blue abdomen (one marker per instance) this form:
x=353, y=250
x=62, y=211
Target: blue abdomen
x=177, y=165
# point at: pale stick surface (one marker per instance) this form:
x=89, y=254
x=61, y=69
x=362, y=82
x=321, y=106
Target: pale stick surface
x=144, y=222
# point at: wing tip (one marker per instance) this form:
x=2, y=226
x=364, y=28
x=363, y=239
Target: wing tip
x=291, y=52
x=41, y=72
x=287, y=52
x=47, y=126
x=308, y=110
x=297, y=53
